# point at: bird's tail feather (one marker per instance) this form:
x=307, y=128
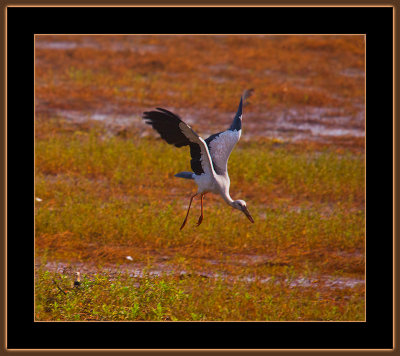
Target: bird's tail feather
x=187, y=175
x=247, y=93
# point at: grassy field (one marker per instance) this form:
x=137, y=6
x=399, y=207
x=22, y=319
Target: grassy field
x=108, y=204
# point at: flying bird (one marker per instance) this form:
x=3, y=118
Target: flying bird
x=209, y=157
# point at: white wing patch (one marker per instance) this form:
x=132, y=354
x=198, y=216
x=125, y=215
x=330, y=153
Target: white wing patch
x=205, y=159
x=221, y=148
x=188, y=132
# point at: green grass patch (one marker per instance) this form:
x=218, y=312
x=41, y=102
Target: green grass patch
x=192, y=298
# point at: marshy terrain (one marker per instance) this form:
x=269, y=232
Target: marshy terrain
x=108, y=204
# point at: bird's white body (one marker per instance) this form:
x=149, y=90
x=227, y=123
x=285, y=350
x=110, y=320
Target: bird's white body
x=217, y=184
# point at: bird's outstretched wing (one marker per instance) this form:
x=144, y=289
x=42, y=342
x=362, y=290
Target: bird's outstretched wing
x=176, y=132
x=221, y=144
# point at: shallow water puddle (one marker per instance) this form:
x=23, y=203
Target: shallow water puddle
x=129, y=45
x=60, y=45
x=78, y=116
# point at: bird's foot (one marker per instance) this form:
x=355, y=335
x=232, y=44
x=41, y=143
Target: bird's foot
x=183, y=224
x=200, y=220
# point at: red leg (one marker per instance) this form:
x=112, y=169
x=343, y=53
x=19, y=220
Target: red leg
x=187, y=214
x=201, y=216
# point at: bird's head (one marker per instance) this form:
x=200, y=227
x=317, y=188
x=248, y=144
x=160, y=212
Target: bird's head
x=241, y=205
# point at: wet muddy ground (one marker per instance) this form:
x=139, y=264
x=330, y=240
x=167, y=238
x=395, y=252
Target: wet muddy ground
x=312, y=124
x=159, y=269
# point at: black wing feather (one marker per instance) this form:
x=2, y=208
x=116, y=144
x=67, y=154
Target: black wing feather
x=167, y=125
x=195, y=162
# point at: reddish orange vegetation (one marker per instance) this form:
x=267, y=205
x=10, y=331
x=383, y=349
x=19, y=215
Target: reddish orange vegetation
x=201, y=76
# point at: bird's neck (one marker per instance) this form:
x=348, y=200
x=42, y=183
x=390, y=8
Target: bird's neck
x=228, y=198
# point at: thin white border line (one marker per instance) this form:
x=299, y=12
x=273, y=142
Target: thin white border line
x=365, y=177
x=219, y=321
x=34, y=175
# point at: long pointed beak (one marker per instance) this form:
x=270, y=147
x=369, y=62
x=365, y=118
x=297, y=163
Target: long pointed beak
x=248, y=214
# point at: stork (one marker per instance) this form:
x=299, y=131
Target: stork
x=209, y=157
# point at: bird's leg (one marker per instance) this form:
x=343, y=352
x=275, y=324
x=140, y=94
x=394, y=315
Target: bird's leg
x=201, y=216
x=187, y=214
